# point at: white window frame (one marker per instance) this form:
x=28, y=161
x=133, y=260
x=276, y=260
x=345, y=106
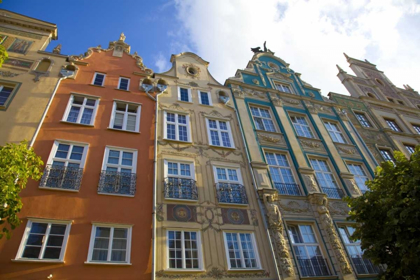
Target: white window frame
x=254, y=247
x=259, y=110
x=238, y=173
x=94, y=78
x=82, y=108
x=128, y=85
x=189, y=94
x=219, y=133
x=188, y=125
x=114, y=111
x=306, y=125
x=192, y=168
x=105, y=163
x=335, y=133
x=44, y=241
x=282, y=86
x=363, y=188
x=66, y=161
x=112, y=226
x=199, y=250
x=208, y=96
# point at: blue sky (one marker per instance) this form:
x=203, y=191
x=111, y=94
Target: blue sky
x=310, y=35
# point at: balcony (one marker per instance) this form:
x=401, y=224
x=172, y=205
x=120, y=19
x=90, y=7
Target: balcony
x=231, y=193
x=288, y=189
x=364, y=266
x=312, y=267
x=333, y=192
x=61, y=177
x=180, y=188
x=118, y=183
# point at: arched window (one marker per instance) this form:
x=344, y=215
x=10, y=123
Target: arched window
x=44, y=65
x=371, y=95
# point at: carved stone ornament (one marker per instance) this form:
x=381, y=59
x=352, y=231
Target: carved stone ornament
x=191, y=70
x=8, y=74
x=294, y=206
x=255, y=81
x=338, y=208
x=310, y=183
x=291, y=101
x=215, y=273
x=277, y=101
x=320, y=201
x=270, y=138
x=348, y=151
x=275, y=225
x=352, y=186
x=310, y=144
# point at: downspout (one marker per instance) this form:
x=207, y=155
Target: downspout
x=46, y=111
x=256, y=191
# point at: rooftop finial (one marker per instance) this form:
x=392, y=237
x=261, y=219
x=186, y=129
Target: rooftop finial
x=346, y=55
x=340, y=69
x=57, y=49
x=258, y=49
x=122, y=37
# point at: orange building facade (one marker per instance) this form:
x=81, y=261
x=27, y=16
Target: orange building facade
x=90, y=215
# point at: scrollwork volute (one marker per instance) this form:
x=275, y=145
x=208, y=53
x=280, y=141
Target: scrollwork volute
x=275, y=225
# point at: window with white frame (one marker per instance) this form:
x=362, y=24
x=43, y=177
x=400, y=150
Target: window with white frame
x=361, y=117
x=219, y=133
x=126, y=116
x=205, y=98
x=393, y=125
x=98, y=79
x=334, y=131
x=241, y=250
x=65, y=165
x=184, y=250
x=184, y=94
x=282, y=87
x=416, y=128
x=410, y=148
x=354, y=249
x=5, y=94
x=386, y=154
x=81, y=109
x=281, y=174
x=262, y=119
x=44, y=240
x=110, y=244
x=229, y=185
x=179, y=180
x=326, y=178
x=177, y=126
x=124, y=83
x=359, y=176
x=301, y=126
x=310, y=259
x=120, y=160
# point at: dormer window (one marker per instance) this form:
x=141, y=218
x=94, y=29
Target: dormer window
x=283, y=88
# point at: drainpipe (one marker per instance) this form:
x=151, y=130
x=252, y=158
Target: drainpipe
x=256, y=191
x=46, y=111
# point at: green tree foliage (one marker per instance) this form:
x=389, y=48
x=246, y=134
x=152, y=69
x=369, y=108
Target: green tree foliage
x=388, y=217
x=18, y=163
x=3, y=55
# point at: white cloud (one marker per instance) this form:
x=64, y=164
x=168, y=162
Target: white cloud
x=162, y=63
x=310, y=35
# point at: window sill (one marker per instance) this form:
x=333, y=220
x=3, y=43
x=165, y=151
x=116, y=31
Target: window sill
x=266, y=131
x=122, y=130
x=184, y=270
x=245, y=269
x=58, y=189
x=222, y=147
x=184, y=200
x=37, y=261
x=178, y=141
x=320, y=277
x=116, y=194
x=187, y=102
x=107, y=263
x=96, y=86
x=88, y=125
x=243, y=205
x=126, y=90
x=205, y=105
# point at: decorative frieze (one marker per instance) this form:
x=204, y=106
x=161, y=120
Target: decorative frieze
x=269, y=139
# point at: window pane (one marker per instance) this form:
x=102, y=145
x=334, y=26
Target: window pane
x=39, y=228
x=102, y=232
x=113, y=157
x=131, y=122
x=118, y=120
x=87, y=116
x=74, y=114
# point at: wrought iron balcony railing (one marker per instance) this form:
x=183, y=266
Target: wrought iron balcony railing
x=112, y=182
x=364, y=266
x=61, y=177
x=231, y=193
x=314, y=266
x=333, y=192
x=180, y=188
x=288, y=189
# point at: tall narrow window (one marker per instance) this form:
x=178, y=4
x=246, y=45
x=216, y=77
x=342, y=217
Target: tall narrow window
x=359, y=176
x=354, y=249
x=309, y=257
x=124, y=83
x=411, y=149
x=281, y=174
x=219, y=133
x=126, y=116
x=5, y=93
x=229, y=185
x=98, y=79
x=361, y=117
x=262, y=119
x=177, y=126
x=301, y=126
x=44, y=240
x=393, y=125
x=81, y=109
x=326, y=179
x=334, y=131
x=179, y=180
x=386, y=154
x=241, y=250
x=184, y=94
x=416, y=127
x=110, y=244
x=184, y=249
x=204, y=98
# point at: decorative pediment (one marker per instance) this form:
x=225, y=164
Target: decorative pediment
x=280, y=75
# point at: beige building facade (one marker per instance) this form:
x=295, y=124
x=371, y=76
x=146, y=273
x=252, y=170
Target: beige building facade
x=29, y=77
x=387, y=117
x=208, y=221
